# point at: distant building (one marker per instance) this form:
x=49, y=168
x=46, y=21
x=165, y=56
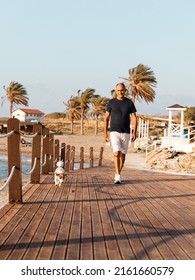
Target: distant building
x=28, y=115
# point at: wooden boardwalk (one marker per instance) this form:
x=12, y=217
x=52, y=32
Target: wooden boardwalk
x=149, y=216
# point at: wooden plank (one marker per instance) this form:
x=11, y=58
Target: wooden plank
x=86, y=225
x=19, y=209
x=177, y=231
x=117, y=218
x=39, y=225
x=73, y=249
x=91, y=218
x=99, y=246
x=54, y=218
x=67, y=201
x=167, y=228
x=16, y=240
x=151, y=226
x=113, y=251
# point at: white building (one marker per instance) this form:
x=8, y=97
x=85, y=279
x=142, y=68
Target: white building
x=28, y=115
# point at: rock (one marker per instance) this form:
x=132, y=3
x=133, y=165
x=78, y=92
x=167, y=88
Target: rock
x=172, y=161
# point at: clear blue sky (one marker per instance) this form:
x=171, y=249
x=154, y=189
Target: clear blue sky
x=56, y=47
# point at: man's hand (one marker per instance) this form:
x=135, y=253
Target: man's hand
x=133, y=136
x=106, y=137
x=106, y=122
x=134, y=120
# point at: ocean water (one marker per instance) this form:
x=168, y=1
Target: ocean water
x=25, y=165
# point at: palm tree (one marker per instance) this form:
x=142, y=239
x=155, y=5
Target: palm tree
x=73, y=110
x=84, y=99
x=140, y=83
x=99, y=105
x=16, y=94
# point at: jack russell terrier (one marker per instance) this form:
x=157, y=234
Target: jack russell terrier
x=59, y=173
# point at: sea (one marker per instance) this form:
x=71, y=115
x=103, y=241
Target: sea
x=25, y=165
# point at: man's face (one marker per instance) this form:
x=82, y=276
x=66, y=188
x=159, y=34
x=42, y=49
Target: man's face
x=120, y=91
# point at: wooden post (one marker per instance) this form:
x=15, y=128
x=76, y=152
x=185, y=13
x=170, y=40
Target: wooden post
x=45, y=153
x=13, y=142
x=72, y=156
x=91, y=157
x=51, y=151
x=67, y=163
x=101, y=156
x=57, y=151
x=63, y=148
x=36, y=153
x=81, y=157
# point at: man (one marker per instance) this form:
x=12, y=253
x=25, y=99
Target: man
x=120, y=111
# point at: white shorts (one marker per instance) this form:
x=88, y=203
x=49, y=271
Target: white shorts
x=119, y=141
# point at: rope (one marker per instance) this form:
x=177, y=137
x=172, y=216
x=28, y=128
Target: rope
x=45, y=158
x=33, y=168
x=9, y=178
x=29, y=136
x=7, y=134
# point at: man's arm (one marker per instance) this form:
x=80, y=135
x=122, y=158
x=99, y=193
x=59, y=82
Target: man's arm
x=134, y=122
x=106, y=123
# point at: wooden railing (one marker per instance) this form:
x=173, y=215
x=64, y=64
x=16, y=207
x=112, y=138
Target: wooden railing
x=45, y=153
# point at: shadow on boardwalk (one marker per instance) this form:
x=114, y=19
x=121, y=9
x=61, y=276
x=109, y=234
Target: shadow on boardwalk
x=149, y=216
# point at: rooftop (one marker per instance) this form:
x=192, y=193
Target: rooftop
x=30, y=111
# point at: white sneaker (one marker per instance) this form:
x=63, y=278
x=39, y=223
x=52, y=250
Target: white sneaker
x=117, y=179
x=118, y=176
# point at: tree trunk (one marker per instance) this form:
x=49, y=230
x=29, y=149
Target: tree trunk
x=96, y=125
x=71, y=127
x=82, y=116
x=11, y=109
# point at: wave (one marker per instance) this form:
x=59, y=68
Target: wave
x=3, y=157
x=25, y=165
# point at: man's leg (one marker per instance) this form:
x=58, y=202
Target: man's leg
x=124, y=148
x=117, y=164
x=121, y=161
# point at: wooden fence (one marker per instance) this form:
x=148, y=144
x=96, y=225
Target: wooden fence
x=45, y=153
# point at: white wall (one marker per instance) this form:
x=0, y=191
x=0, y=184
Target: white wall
x=18, y=114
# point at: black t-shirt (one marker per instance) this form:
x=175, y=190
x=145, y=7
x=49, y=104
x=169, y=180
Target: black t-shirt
x=120, y=111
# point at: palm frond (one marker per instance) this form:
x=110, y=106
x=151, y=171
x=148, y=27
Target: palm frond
x=141, y=82
x=16, y=94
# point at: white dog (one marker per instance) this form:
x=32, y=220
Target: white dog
x=59, y=173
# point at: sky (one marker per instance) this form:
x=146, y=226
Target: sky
x=56, y=47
